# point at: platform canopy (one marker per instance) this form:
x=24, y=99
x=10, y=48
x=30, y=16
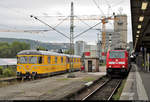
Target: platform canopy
x=140, y=16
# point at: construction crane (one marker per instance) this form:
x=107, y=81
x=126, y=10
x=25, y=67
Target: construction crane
x=103, y=20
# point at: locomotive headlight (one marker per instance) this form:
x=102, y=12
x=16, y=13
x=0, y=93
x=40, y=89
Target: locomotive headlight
x=123, y=66
x=109, y=66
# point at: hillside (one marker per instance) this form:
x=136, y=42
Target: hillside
x=34, y=44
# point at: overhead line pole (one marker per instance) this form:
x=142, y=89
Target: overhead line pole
x=71, y=36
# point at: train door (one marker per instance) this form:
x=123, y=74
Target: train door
x=89, y=66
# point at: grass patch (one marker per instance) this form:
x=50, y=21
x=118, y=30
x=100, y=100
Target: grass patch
x=62, y=79
x=8, y=71
x=117, y=95
x=88, y=79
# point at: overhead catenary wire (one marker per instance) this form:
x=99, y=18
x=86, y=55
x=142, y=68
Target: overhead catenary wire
x=50, y=26
x=83, y=21
x=86, y=30
x=98, y=7
x=61, y=22
x=109, y=6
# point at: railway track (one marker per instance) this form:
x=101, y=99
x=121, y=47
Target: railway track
x=101, y=90
x=105, y=91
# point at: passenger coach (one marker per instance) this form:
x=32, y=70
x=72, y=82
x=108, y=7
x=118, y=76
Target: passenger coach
x=34, y=63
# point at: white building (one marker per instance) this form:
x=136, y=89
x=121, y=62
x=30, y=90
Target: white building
x=79, y=47
x=92, y=49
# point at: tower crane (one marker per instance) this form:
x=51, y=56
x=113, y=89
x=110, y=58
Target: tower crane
x=103, y=20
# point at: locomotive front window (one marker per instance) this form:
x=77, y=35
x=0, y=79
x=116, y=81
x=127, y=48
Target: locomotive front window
x=33, y=60
x=22, y=60
x=116, y=54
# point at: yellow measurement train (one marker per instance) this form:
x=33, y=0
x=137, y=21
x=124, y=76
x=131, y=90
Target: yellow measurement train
x=37, y=63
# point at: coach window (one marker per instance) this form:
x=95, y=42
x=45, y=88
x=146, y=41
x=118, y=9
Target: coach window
x=70, y=59
x=49, y=59
x=73, y=59
x=40, y=59
x=32, y=60
x=55, y=59
x=61, y=59
x=67, y=60
x=23, y=60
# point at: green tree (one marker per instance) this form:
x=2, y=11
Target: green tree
x=18, y=46
x=7, y=72
x=10, y=50
x=68, y=52
x=41, y=48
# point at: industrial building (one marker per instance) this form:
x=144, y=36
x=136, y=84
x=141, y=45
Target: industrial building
x=120, y=30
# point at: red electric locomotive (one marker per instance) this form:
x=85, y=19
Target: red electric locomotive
x=117, y=62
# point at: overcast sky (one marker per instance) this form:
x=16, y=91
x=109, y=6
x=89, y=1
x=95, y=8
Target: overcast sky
x=15, y=15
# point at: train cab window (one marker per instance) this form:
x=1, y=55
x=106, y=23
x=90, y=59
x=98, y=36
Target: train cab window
x=56, y=59
x=32, y=60
x=117, y=54
x=40, y=60
x=49, y=59
x=23, y=60
x=61, y=59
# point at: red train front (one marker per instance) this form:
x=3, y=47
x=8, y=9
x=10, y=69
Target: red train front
x=117, y=62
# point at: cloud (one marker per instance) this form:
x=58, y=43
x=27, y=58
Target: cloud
x=15, y=14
